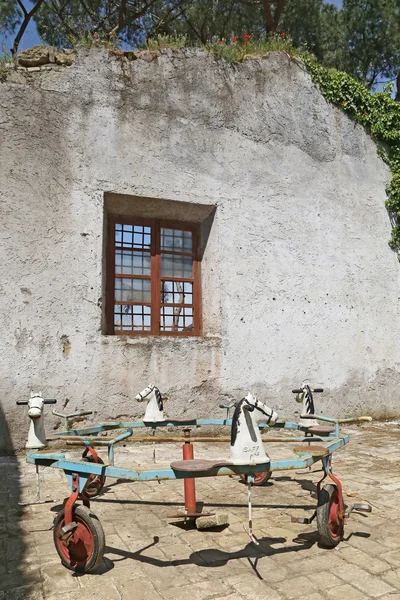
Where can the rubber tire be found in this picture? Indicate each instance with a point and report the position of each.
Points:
(261, 481)
(99, 479)
(328, 539)
(96, 530)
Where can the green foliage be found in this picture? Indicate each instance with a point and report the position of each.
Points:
(5, 60)
(10, 15)
(379, 113)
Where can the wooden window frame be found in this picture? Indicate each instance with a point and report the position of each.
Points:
(155, 275)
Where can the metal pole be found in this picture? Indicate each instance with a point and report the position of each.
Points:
(189, 486)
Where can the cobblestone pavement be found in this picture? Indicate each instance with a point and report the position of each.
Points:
(147, 557)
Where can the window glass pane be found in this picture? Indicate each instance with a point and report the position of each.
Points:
(176, 319)
(132, 318)
(132, 263)
(132, 236)
(176, 292)
(176, 266)
(132, 290)
(176, 239)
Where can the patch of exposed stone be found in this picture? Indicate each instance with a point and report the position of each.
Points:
(36, 59)
(45, 55)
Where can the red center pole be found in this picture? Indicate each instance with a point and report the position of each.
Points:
(189, 487)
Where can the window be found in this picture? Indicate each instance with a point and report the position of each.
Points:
(153, 277)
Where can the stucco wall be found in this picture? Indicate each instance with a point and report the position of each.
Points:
(298, 278)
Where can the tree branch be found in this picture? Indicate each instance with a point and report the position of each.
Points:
(269, 17)
(278, 13)
(24, 24)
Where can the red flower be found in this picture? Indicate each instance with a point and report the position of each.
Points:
(246, 36)
(220, 42)
(234, 39)
(96, 36)
(283, 35)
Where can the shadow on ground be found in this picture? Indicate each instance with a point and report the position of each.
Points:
(16, 580)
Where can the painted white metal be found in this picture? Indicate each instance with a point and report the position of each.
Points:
(36, 433)
(155, 408)
(246, 444)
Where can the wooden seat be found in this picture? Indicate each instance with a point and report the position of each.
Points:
(312, 449)
(320, 429)
(199, 465)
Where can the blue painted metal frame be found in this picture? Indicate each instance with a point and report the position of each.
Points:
(152, 473)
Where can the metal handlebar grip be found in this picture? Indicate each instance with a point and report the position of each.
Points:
(25, 402)
(313, 390)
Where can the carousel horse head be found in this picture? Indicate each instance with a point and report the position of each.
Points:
(155, 407)
(36, 434)
(246, 444)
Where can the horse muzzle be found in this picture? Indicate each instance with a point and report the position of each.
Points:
(35, 412)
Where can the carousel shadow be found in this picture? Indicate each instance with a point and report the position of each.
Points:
(211, 557)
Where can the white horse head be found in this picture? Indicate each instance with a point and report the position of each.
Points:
(36, 433)
(155, 407)
(35, 405)
(246, 444)
(308, 407)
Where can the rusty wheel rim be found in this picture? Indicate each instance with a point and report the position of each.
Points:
(78, 552)
(334, 521)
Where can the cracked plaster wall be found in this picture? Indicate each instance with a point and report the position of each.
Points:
(298, 278)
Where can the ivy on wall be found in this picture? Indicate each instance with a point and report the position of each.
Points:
(379, 113)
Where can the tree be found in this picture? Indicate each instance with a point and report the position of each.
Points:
(370, 42)
(66, 22)
(15, 16)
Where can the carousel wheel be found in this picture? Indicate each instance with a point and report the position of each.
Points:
(260, 478)
(84, 551)
(95, 483)
(330, 525)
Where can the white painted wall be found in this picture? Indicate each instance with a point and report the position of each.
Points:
(298, 278)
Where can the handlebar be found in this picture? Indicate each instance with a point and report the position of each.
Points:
(25, 402)
(300, 391)
(227, 406)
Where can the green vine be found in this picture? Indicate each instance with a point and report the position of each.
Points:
(379, 113)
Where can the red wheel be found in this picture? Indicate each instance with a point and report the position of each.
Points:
(95, 483)
(330, 525)
(260, 478)
(84, 550)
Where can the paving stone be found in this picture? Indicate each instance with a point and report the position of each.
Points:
(392, 577)
(325, 580)
(347, 592)
(296, 587)
(364, 560)
(198, 591)
(361, 579)
(253, 588)
(29, 592)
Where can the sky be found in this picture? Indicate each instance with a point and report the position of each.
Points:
(31, 38)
